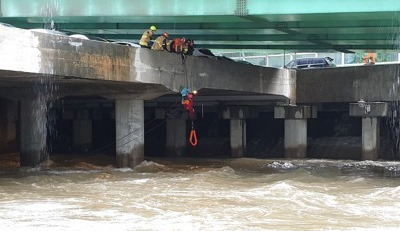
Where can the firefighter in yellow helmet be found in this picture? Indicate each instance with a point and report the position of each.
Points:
(160, 43)
(147, 36)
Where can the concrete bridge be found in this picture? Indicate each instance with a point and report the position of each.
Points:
(38, 68)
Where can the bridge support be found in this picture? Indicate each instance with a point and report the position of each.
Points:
(175, 131)
(8, 125)
(82, 131)
(238, 138)
(176, 137)
(238, 116)
(370, 113)
(33, 132)
(129, 118)
(295, 136)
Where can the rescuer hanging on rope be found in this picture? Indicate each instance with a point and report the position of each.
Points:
(187, 103)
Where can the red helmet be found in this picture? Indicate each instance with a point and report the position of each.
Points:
(183, 39)
(165, 34)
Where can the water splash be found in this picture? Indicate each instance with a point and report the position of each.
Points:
(50, 11)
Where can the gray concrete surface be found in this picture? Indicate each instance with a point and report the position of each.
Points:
(348, 84)
(238, 138)
(82, 67)
(129, 119)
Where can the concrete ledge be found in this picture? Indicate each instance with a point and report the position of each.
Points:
(239, 112)
(368, 109)
(294, 112)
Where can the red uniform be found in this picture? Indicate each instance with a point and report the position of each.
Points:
(188, 105)
(176, 45)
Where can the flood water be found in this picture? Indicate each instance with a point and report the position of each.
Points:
(199, 194)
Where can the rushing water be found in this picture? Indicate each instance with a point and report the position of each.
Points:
(194, 194)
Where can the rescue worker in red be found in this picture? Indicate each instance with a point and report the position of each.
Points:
(160, 43)
(369, 59)
(188, 104)
(147, 36)
(177, 45)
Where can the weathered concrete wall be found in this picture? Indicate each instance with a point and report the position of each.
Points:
(348, 84)
(121, 70)
(8, 126)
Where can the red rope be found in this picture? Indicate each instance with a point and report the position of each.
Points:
(193, 138)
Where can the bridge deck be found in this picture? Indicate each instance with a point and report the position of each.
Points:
(83, 67)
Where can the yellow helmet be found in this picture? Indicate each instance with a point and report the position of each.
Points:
(153, 28)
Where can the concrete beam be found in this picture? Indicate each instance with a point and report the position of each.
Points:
(239, 112)
(118, 70)
(368, 109)
(163, 11)
(295, 112)
(373, 83)
(33, 119)
(129, 118)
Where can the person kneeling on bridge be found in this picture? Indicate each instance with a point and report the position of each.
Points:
(176, 45)
(147, 36)
(160, 43)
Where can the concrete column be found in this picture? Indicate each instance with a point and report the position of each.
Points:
(370, 138)
(238, 138)
(33, 132)
(8, 125)
(237, 116)
(370, 113)
(82, 134)
(176, 137)
(295, 140)
(129, 118)
(295, 137)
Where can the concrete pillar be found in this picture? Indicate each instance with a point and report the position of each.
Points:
(82, 134)
(370, 138)
(238, 138)
(8, 125)
(129, 118)
(295, 140)
(176, 137)
(295, 136)
(238, 116)
(370, 113)
(33, 132)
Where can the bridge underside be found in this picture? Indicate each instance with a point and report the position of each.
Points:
(229, 24)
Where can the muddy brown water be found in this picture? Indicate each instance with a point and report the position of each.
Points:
(89, 193)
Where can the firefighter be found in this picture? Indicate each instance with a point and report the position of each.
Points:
(177, 45)
(160, 43)
(188, 47)
(369, 59)
(187, 103)
(147, 36)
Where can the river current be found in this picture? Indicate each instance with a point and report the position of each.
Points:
(203, 194)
